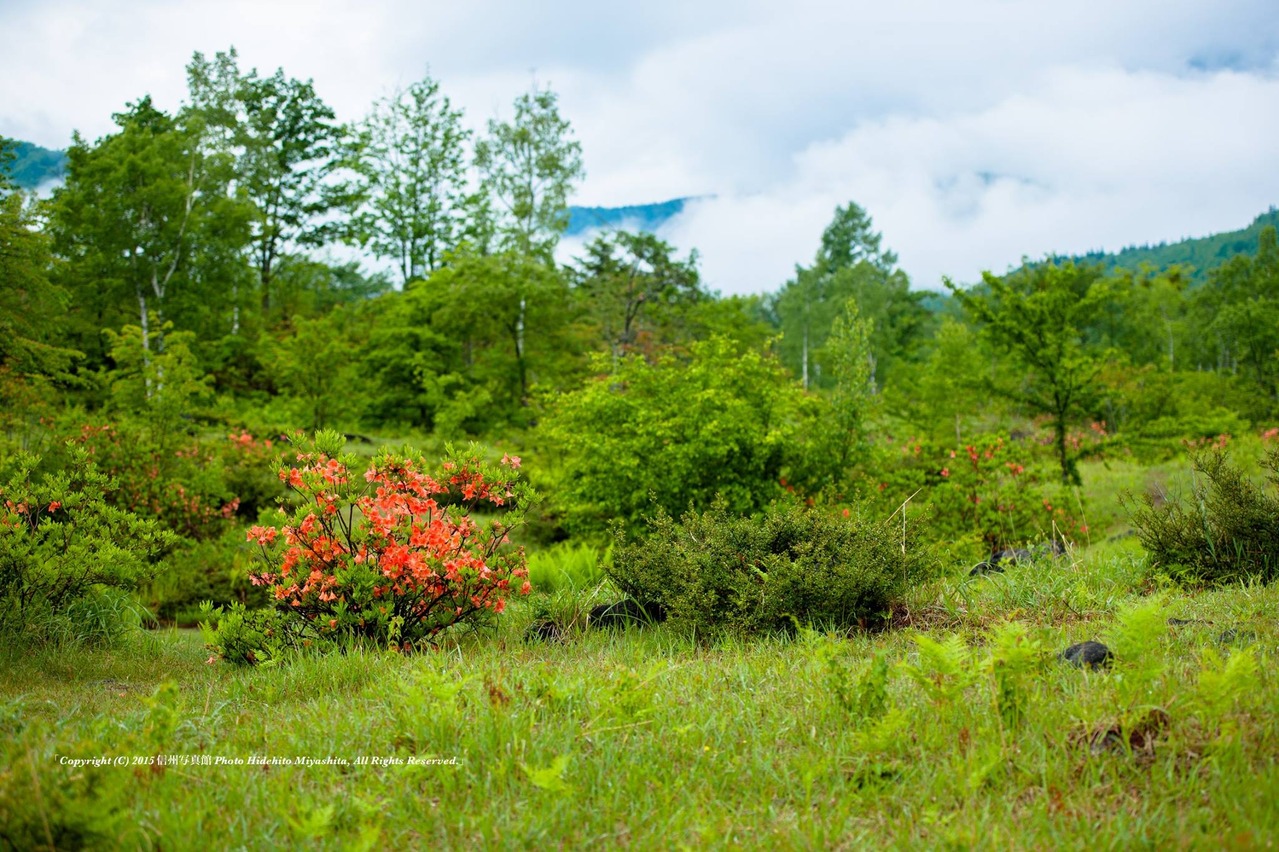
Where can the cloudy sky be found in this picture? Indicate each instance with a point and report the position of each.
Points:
(975, 132)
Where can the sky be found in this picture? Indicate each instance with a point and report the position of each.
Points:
(974, 132)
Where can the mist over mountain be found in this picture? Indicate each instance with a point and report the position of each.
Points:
(34, 167)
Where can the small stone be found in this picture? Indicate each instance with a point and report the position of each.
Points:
(1094, 655)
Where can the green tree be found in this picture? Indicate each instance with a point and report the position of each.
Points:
(141, 212)
(803, 313)
(1038, 316)
(316, 365)
(842, 432)
(528, 167)
(849, 240)
(676, 432)
(1240, 308)
(948, 395)
(634, 286)
(287, 144)
(30, 310)
(850, 263)
(512, 317)
(409, 370)
(162, 388)
(8, 155)
(409, 155)
(1148, 319)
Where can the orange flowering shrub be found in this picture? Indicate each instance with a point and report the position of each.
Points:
(395, 553)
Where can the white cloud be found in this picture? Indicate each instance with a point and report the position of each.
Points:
(1088, 160)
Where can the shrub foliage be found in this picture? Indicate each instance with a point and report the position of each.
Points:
(719, 570)
(61, 540)
(1227, 530)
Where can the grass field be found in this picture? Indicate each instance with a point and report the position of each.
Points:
(958, 727)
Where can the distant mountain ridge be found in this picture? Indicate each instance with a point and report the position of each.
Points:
(34, 166)
(644, 217)
(1203, 254)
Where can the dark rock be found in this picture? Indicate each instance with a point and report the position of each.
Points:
(1014, 555)
(987, 567)
(545, 631)
(1236, 637)
(1094, 655)
(625, 613)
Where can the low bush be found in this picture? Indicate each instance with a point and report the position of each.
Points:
(216, 570)
(61, 541)
(718, 570)
(723, 421)
(1226, 530)
(394, 556)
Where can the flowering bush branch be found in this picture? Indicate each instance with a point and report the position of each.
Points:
(396, 555)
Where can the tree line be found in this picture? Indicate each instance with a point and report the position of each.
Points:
(219, 223)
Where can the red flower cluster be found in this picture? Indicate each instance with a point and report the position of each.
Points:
(396, 552)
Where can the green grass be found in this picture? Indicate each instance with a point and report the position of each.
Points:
(658, 740)
(567, 567)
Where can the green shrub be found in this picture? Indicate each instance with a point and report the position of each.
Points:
(60, 540)
(216, 570)
(680, 431)
(248, 636)
(1226, 531)
(718, 570)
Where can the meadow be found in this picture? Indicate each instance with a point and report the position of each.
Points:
(955, 726)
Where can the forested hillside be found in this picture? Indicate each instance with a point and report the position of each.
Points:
(32, 167)
(1199, 255)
